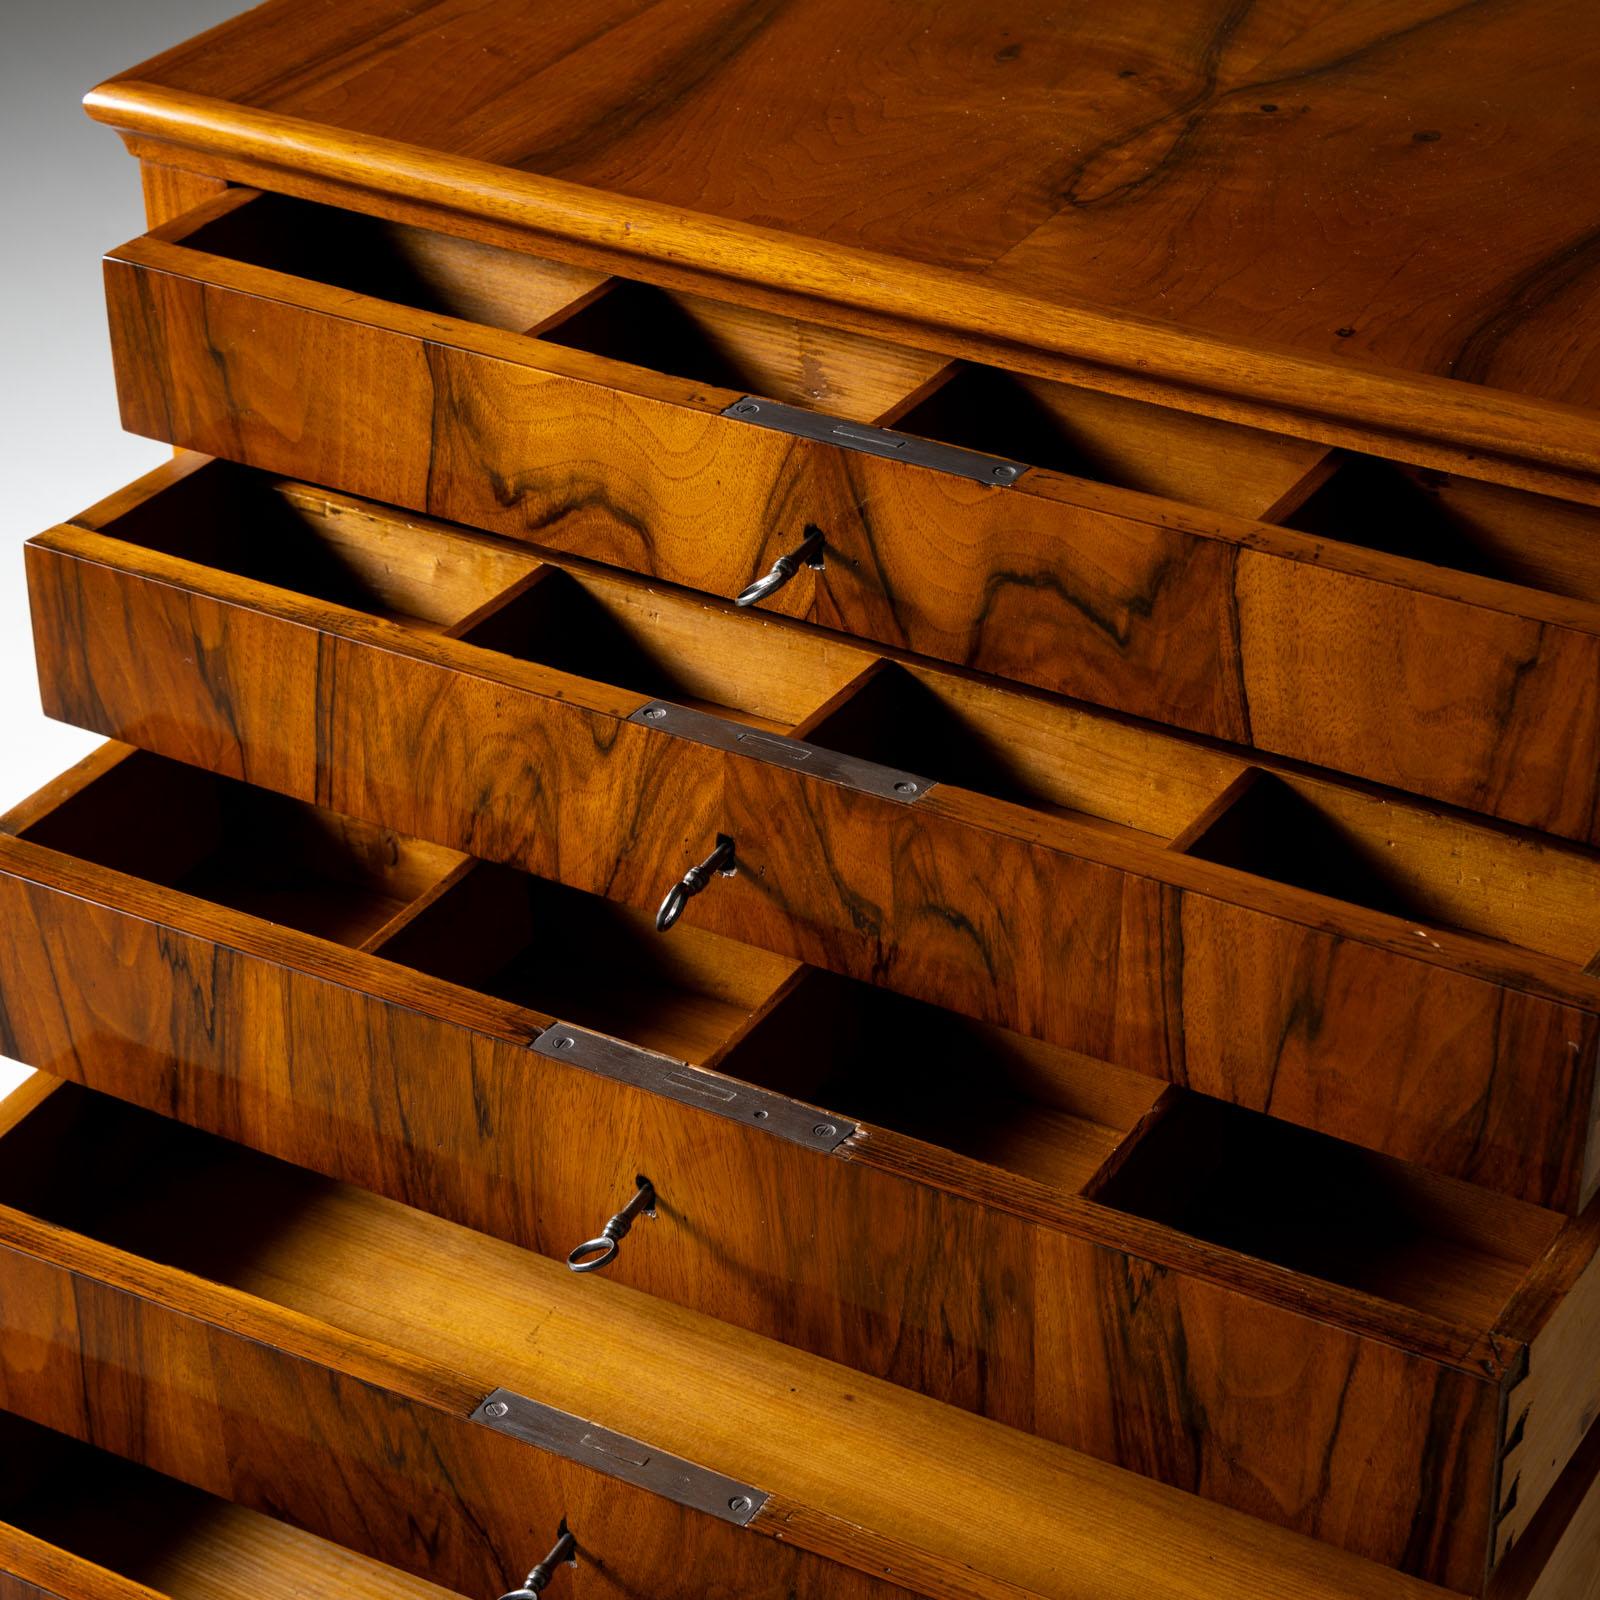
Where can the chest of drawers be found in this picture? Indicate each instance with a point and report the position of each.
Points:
(850, 836)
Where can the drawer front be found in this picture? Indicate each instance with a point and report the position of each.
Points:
(1478, 692)
(1472, 1058)
(325, 1362)
(995, 1293)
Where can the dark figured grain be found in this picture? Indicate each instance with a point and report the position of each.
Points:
(1443, 682)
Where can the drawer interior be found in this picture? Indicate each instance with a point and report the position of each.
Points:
(1110, 439)
(998, 1097)
(1454, 523)
(540, 945)
(1380, 852)
(1466, 526)
(704, 341)
(151, 1530)
(1012, 746)
(257, 852)
(662, 646)
(1363, 848)
(231, 520)
(737, 347)
(1328, 1209)
(392, 261)
(591, 962)
(1248, 1183)
(1409, 862)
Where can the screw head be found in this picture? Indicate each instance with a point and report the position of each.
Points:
(761, 1116)
(746, 408)
(905, 787)
(496, 1408)
(565, 1042)
(740, 1503)
(656, 713)
(1004, 473)
(824, 1130)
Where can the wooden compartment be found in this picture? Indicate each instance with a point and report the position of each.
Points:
(1424, 868)
(1105, 438)
(1480, 528)
(736, 347)
(78, 1524)
(284, 1341)
(835, 1117)
(598, 965)
(245, 848)
(413, 267)
(1328, 1210)
(607, 628)
(1180, 908)
(1134, 565)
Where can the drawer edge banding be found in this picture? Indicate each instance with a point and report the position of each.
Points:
(619, 1456)
(679, 1080)
(868, 439)
(779, 750)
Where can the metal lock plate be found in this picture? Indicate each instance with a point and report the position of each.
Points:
(778, 750)
(617, 1456)
(995, 471)
(677, 1080)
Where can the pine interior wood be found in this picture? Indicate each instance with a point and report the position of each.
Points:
(739, 347)
(1171, 189)
(292, 538)
(428, 1297)
(92, 1525)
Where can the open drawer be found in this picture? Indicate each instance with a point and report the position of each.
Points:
(1393, 1362)
(1351, 960)
(78, 1524)
(445, 1403)
(1439, 636)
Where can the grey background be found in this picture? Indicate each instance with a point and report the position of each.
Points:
(69, 192)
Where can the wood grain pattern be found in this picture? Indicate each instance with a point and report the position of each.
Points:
(981, 1273)
(1190, 616)
(327, 1369)
(1468, 1054)
(1160, 194)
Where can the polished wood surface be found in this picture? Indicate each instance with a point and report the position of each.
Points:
(1404, 979)
(1027, 1242)
(1134, 566)
(1285, 206)
(263, 1334)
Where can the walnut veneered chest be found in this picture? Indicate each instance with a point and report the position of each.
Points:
(850, 845)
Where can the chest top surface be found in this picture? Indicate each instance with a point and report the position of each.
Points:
(1398, 198)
